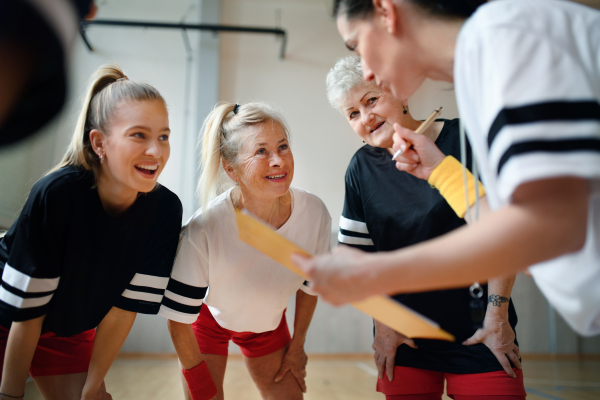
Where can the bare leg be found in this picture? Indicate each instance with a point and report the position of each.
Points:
(62, 387)
(216, 366)
(263, 370)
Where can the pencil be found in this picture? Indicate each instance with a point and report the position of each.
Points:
(436, 113)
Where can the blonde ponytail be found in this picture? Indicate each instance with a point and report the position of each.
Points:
(107, 87)
(223, 135)
(210, 184)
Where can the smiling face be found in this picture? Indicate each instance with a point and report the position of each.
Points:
(136, 148)
(386, 51)
(265, 163)
(372, 114)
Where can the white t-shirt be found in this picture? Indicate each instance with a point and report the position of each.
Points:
(248, 290)
(527, 81)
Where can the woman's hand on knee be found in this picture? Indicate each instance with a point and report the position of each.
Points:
(499, 337)
(294, 361)
(99, 394)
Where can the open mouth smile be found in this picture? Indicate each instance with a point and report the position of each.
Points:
(276, 177)
(147, 170)
(377, 127)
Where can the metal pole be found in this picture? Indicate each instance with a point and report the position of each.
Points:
(201, 27)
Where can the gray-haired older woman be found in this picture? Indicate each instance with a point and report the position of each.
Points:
(386, 209)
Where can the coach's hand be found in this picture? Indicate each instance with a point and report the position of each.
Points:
(385, 344)
(420, 155)
(294, 361)
(344, 276)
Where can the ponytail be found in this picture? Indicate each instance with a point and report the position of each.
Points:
(209, 184)
(107, 87)
(222, 138)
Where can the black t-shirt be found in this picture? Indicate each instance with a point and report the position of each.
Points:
(386, 209)
(65, 257)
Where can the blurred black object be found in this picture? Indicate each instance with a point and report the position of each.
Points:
(35, 40)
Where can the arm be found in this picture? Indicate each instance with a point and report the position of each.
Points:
(295, 358)
(22, 341)
(546, 219)
(386, 344)
(110, 336)
(185, 344)
(497, 334)
(484, 209)
(421, 157)
(195, 371)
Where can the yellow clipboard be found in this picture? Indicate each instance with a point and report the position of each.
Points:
(384, 309)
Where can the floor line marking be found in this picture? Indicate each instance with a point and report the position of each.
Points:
(541, 394)
(568, 388)
(366, 368)
(560, 383)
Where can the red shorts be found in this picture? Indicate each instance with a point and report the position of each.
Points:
(413, 381)
(57, 355)
(213, 339)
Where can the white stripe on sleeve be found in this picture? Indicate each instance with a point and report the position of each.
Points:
(156, 282)
(354, 226)
(354, 240)
(135, 295)
(182, 299)
(177, 316)
(20, 302)
(27, 284)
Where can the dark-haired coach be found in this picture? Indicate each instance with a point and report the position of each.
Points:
(527, 81)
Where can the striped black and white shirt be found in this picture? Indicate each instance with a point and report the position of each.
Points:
(247, 290)
(66, 258)
(386, 210)
(527, 76)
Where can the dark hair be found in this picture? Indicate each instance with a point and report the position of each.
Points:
(358, 9)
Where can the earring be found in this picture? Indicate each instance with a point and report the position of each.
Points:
(101, 156)
(405, 109)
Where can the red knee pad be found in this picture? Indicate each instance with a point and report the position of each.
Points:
(200, 382)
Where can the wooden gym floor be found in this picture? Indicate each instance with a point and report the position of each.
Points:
(333, 377)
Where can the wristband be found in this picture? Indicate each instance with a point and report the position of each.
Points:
(447, 177)
(200, 382)
(11, 397)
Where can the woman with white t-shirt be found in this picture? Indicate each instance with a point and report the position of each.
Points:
(527, 81)
(248, 291)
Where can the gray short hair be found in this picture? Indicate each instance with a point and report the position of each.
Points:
(346, 74)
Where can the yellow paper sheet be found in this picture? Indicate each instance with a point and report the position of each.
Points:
(384, 309)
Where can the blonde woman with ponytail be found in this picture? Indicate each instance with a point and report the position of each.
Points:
(247, 149)
(93, 246)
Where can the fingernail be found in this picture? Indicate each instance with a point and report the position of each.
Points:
(415, 157)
